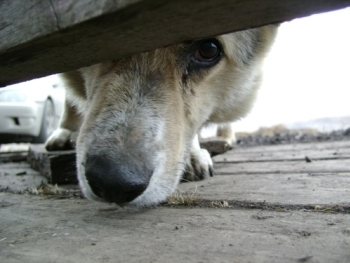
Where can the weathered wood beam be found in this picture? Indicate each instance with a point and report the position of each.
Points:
(42, 37)
(58, 167)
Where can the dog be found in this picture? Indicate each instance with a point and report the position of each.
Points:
(135, 121)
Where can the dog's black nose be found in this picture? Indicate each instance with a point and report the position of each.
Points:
(115, 181)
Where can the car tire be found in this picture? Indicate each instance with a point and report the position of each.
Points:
(48, 122)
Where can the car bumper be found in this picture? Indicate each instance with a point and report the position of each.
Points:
(21, 118)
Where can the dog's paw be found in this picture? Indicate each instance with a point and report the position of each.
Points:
(226, 133)
(200, 166)
(60, 139)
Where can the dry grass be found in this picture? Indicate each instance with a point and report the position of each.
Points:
(183, 199)
(54, 191)
(45, 189)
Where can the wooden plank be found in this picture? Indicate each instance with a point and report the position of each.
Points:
(314, 151)
(317, 146)
(282, 156)
(289, 188)
(59, 166)
(315, 167)
(6, 157)
(42, 37)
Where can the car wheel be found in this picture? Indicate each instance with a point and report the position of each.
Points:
(48, 122)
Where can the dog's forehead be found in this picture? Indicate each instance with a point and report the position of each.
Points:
(158, 60)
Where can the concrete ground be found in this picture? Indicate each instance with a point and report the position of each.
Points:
(283, 203)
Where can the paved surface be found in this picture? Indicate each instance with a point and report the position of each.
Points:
(266, 204)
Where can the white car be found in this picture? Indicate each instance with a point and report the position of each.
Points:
(30, 111)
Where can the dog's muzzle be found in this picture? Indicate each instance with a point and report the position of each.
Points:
(116, 180)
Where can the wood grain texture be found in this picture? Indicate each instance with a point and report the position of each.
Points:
(42, 37)
(289, 152)
(58, 167)
(283, 167)
(291, 188)
(280, 175)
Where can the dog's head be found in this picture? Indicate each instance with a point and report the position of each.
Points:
(143, 112)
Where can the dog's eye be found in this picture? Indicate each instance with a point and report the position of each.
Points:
(207, 51)
(202, 55)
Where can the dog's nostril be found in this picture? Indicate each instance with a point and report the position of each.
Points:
(96, 189)
(131, 195)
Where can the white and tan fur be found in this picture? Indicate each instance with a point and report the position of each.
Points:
(135, 120)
